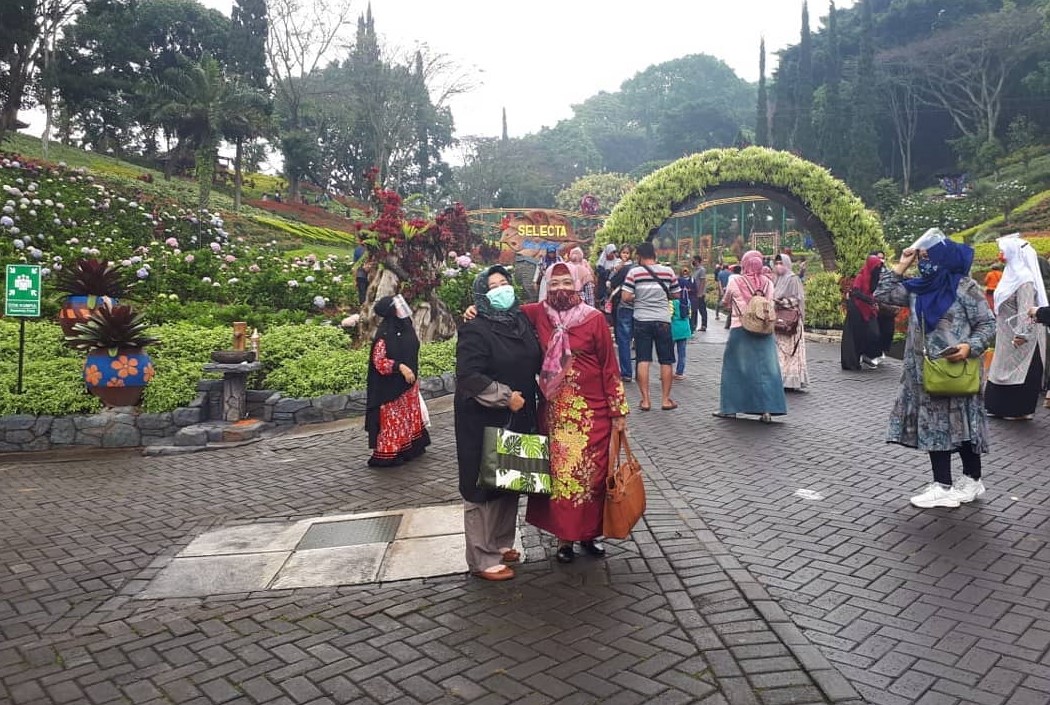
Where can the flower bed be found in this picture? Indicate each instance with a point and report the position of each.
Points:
(299, 361)
(50, 215)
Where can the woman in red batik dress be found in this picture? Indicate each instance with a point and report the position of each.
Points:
(584, 403)
(393, 420)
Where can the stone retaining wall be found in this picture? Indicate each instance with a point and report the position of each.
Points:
(130, 428)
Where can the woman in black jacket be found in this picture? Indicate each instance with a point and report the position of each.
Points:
(497, 359)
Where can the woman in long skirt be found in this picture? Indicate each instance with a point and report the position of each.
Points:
(790, 295)
(393, 419)
(860, 334)
(948, 312)
(1016, 375)
(751, 379)
(584, 404)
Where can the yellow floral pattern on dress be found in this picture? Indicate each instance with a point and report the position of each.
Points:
(570, 420)
(618, 400)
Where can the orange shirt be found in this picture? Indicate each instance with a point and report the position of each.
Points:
(991, 279)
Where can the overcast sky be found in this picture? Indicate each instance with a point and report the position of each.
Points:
(538, 57)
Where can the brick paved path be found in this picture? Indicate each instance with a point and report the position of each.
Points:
(662, 620)
(912, 606)
(735, 591)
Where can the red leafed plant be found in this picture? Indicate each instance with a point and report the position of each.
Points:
(415, 249)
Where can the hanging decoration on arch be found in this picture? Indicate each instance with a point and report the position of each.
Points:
(589, 205)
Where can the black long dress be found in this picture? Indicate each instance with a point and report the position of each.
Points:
(859, 337)
(505, 352)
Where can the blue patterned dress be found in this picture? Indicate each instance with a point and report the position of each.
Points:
(939, 423)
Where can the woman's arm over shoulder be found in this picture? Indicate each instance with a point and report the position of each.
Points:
(891, 289)
(532, 311)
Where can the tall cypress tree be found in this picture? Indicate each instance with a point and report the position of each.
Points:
(783, 127)
(504, 136)
(864, 166)
(805, 138)
(834, 126)
(247, 46)
(762, 116)
(422, 124)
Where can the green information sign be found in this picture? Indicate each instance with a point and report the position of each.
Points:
(23, 290)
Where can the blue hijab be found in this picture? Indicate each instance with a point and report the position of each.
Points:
(947, 263)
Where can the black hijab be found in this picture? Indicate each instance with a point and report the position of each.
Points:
(512, 321)
(402, 346)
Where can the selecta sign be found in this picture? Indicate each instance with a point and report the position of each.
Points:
(23, 291)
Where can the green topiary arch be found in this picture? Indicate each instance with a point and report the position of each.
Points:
(843, 230)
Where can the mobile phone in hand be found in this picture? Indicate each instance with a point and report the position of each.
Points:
(948, 351)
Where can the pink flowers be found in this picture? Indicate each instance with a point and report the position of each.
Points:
(171, 242)
(230, 259)
(215, 247)
(464, 261)
(189, 259)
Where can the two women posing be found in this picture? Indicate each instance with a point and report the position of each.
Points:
(507, 356)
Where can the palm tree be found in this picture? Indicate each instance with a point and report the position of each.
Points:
(200, 105)
(251, 119)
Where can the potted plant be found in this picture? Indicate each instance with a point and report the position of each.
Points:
(86, 283)
(117, 369)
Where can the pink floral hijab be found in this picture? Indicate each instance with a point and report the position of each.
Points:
(557, 359)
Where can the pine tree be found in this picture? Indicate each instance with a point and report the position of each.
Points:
(833, 129)
(864, 166)
(762, 116)
(805, 139)
(247, 45)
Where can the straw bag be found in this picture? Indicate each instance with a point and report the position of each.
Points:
(624, 491)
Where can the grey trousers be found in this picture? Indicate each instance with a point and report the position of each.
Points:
(488, 527)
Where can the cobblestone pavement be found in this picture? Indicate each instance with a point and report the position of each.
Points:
(668, 618)
(735, 591)
(913, 606)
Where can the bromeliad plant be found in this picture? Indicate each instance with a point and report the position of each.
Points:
(85, 283)
(117, 369)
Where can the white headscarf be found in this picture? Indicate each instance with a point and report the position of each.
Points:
(604, 262)
(1022, 265)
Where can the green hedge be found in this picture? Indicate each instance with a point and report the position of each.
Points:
(298, 360)
(1029, 204)
(310, 233)
(856, 230)
(824, 301)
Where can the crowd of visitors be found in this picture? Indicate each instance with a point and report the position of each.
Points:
(555, 369)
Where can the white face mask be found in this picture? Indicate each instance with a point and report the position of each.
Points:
(401, 307)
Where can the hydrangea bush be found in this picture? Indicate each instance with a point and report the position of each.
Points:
(50, 215)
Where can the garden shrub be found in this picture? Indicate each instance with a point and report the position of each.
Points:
(283, 345)
(51, 386)
(318, 372)
(824, 301)
(299, 360)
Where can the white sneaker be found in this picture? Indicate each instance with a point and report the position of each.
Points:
(966, 489)
(936, 495)
(865, 360)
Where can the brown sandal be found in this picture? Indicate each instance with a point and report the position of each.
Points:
(511, 556)
(504, 573)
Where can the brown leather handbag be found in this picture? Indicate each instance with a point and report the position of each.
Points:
(624, 490)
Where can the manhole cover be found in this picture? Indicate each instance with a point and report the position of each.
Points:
(351, 533)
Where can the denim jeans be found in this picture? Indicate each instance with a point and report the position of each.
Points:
(624, 333)
(680, 356)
